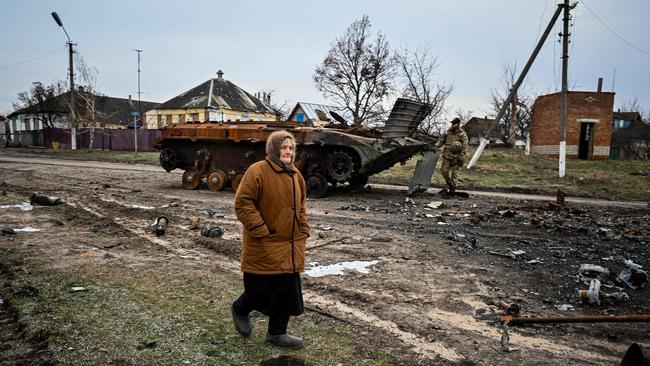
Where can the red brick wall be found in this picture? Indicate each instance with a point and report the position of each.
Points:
(545, 124)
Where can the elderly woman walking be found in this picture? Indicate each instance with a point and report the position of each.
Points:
(270, 203)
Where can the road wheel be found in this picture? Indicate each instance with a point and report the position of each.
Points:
(191, 179)
(235, 180)
(316, 185)
(217, 180)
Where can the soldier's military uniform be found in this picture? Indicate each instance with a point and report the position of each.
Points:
(454, 143)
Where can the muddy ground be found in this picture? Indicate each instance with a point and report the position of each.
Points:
(430, 296)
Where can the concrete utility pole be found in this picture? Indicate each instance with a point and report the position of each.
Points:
(73, 125)
(139, 115)
(564, 111)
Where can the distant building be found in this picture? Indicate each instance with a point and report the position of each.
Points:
(476, 128)
(631, 142)
(624, 119)
(109, 112)
(3, 132)
(589, 125)
(309, 113)
(215, 100)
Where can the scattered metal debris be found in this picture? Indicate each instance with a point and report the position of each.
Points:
(354, 207)
(634, 277)
(564, 307)
(78, 289)
(212, 231)
(43, 200)
(510, 309)
(505, 340)
(594, 271)
(160, 225)
(593, 294)
(8, 231)
(435, 204)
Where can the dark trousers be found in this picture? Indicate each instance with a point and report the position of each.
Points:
(277, 323)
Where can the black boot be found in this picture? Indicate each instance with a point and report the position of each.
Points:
(242, 322)
(285, 340)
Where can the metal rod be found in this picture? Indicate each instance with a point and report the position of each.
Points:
(515, 87)
(576, 319)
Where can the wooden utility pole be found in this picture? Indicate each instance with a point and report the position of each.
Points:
(512, 132)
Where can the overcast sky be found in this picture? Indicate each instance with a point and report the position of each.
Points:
(278, 44)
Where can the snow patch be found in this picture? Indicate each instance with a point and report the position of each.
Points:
(338, 269)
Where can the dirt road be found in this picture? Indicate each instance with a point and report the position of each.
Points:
(425, 275)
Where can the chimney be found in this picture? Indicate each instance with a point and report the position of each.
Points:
(600, 85)
(129, 98)
(220, 74)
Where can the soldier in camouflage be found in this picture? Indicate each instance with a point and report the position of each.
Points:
(454, 143)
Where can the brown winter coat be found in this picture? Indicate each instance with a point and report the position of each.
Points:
(270, 203)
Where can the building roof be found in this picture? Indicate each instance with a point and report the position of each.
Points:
(477, 127)
(627, 116)
(109, 109)
(217, 93)
(320, 112)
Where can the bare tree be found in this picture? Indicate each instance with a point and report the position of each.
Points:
(82, 102)
(416, 70)
(633, 105)
(463, 114)
(356, 74)
(43, 102)
(521, 104)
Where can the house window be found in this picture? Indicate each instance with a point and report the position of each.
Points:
(28, 124)
(300, 117)
(169, 119)
(194, 117)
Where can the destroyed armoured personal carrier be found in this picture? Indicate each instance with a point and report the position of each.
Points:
(219, 153)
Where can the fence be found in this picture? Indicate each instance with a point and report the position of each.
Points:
(102, 138)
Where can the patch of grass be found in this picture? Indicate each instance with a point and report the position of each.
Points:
(511, 169)
(163, 315)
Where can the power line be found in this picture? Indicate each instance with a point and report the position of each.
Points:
(33, 59)
(613, 32)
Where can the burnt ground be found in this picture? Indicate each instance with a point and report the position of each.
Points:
(437, 267)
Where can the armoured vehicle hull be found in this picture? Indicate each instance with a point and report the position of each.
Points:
(219, 153)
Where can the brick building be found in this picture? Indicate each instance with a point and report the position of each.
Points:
(589, 125)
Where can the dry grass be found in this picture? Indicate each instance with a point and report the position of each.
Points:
(511, 170)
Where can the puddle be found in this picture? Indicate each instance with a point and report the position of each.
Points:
(338, 268)
(283, 361)
(27, 229)
(25, 206)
